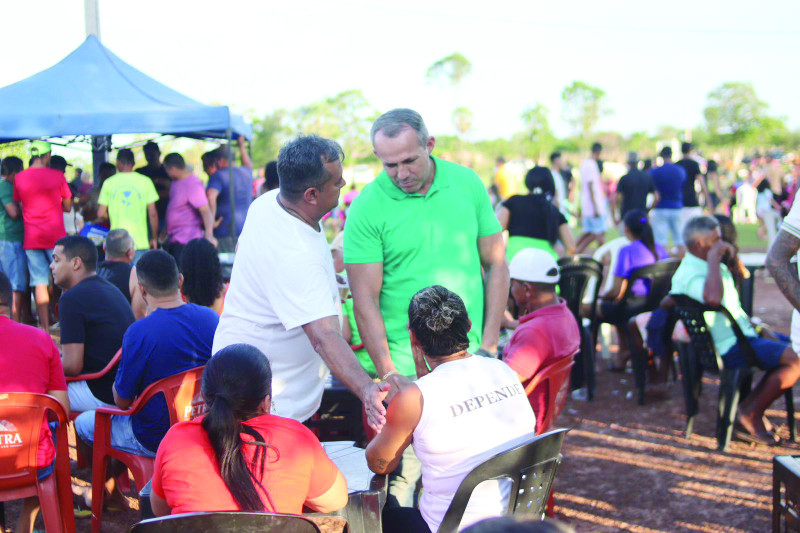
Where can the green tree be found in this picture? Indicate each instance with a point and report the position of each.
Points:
(537, 130)
(454, 68)
(268, 134)
(735, 115)
(462, 120)
(584, 105)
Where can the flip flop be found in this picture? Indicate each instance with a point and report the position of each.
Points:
(742, 434)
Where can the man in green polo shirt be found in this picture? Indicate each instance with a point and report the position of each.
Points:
(703, 276)
(128, 200)
(423, 221)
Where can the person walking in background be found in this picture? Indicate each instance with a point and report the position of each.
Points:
(632, 190)
(503, 181)
(128, 200)
(560, 200)
(593, 201)
(216, 164)
(12, 255)
(44, 196)
(666, 216)
(188, 214)
(158, 174)
(768, 212)
(691, 207)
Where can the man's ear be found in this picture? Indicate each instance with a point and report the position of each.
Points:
(310, 195)
(430, 144)
(180, 281)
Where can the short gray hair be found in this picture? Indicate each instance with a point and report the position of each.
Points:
(393, 122)
(702, 224)
(118, 242)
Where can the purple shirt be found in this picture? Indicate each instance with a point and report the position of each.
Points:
(184, 222)
(634, 256)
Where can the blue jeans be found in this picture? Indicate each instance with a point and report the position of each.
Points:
(596, 225)
(14, 264)
(403, 481)
(122, 437)
(39, 266)
(667, 222)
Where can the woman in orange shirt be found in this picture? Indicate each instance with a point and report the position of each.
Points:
(238, 457)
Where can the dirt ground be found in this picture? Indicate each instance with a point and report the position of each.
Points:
(629, 468)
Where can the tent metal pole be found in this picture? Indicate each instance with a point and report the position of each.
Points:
(231, 188)
(100, 148)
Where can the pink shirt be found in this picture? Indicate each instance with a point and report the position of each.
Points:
(544, 336)
(184, 222)
(590, 180)
(40, 191)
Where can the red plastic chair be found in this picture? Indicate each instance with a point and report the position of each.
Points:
(553, 379)
(184, 402)
(21, 416)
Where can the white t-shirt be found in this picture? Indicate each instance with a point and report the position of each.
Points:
(473, 409)
(561, 193)
(590, 178)
(791, 224)
(282, 279)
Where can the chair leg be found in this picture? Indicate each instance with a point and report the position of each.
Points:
(49, 504)
(638, 358)
(789, 398)
(99, 469)
(688, 387)
(727, 404)
(589, 367)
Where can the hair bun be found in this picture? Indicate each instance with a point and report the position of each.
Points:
(441, 318)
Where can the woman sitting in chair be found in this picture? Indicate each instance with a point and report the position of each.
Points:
(532, 220)
(461, 411)
(238, 457)
(642, 251)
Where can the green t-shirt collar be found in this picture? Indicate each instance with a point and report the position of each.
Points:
(439, 182)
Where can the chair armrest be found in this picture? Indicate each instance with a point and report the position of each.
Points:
(99, 374)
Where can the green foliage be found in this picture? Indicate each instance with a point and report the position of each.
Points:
(268, 135)
(735, 115)
(538, 134)
(454, 68)
(462, 120)
(584, 105)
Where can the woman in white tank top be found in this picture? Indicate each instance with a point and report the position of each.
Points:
(461, 411)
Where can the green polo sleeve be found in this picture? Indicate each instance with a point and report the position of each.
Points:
(487, 220)
(104, 193)
(362, 237)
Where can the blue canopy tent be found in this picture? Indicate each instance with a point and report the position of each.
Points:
(93, 92)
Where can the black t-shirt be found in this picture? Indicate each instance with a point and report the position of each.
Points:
(530, 215)
(95, 314)
(634, 186)
(119, 274)
(692, 171)
(162, 183)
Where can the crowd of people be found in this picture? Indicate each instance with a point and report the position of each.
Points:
(434, 306)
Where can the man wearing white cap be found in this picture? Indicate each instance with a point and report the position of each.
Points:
(547, 330)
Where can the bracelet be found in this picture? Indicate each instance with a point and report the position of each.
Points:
(389, 373)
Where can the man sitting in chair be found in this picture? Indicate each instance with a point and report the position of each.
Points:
(461, 411)
(173, 338)
(547, 330)
(703, 276)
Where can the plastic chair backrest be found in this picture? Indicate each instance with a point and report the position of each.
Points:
(576, 271)
(181, 393)
(611, 248)
(692, 314)
(96, 375)
(225, 521)
(21, 418)
(531, 466)
(659, 274)
(553, 380)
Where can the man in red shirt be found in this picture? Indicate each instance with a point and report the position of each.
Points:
(45, 195)
(547, 330)
(29, 362)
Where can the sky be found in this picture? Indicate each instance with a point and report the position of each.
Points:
(656, 61)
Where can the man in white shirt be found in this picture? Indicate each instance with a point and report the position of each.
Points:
(461, 411)
(786, 246)
(593, 202)
(556, 166)
(283, 297)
